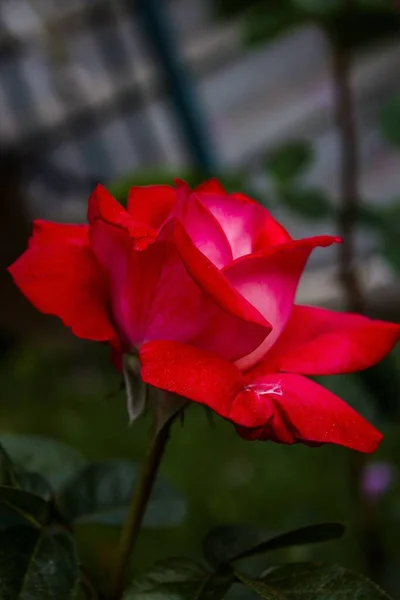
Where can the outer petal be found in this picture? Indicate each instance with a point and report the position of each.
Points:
(248, 226)
(304, 411)
(105, 208)
(211, 186)
(152, 204)
(317, 341)
(269, 280)
(202, 226)
(203, 377)
(60, 276)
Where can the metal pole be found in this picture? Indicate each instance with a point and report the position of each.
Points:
(156, 23)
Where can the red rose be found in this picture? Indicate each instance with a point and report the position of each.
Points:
(202, 284)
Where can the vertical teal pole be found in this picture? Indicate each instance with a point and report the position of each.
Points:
(156, 23)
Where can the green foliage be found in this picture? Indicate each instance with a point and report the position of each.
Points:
(33, 509)
(101, 493)
(56, 462)
(231, 543)
(8, 475)
(180, 579)
(289, 161)
(37, 554)
(390, 120)
(302, 581)
(37, 564)
(309, 203)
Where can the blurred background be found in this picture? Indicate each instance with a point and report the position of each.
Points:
(296, 102)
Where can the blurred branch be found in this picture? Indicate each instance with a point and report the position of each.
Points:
(349, 176)
(369, 531)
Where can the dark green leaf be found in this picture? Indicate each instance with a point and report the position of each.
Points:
(56, 462)
(261, 588)
(390, 120)
(180, 579)
(8, 474)
(101, 493)
(37, 565)
(18, 506)
(264, 25)
(312, 534)
(289, 161)
(309, 203)
(34, 483)
(223, 543)
(306, 581)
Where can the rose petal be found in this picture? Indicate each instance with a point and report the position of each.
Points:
(200, 376)
(201, 225)
(151, 204)
(247, 225)
(304, 411)
(103, 207)
(211, 186)
(317, 341)
(269, 280)
(59, 275)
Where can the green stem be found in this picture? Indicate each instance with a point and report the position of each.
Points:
(140, 498)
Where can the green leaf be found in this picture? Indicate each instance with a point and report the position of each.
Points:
(8, 474)
(21, 507)
(56, 462)
(309, 203)
(262, 589)
(101, 493)
(37, 565)
(265, 25)
(180, 579)
(306, 581)
(390, 121)
(35, 484)
(289, 161)
(223, 543)
(312, 534)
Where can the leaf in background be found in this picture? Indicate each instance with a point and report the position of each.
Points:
(55, 461)
(180, 579)
(101, 493)
(35, 484)
(390, 121)
(312, 534)
(8, 475)
(289, 161)
(37, 565)
(18, 506)
(309, 581)
(264, 25)
(223, 543)
(310, 203)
